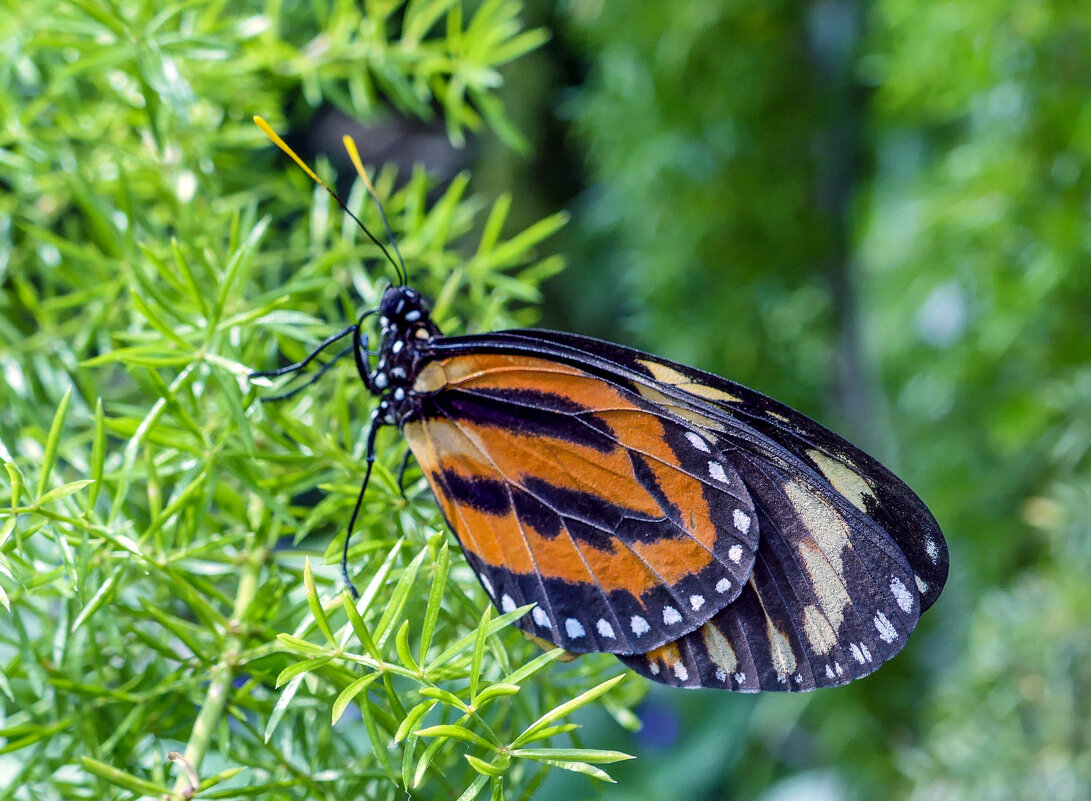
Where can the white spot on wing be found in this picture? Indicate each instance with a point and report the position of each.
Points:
(541, 618)
(922, 585)
(605, 629)
(740, 677)
(680, 671)
(574, 628)
(741, 520)
(507, 604)
(734, 553)
(671, 615)
(723, 585)
(716, 470)
(488, 586)
(653, 667)
(829, 672)
(720, 674)
(639, 625)
(857, 654)
(902, 595)
(931, 549)
(697, 442)
(887, 632)
(696, 601)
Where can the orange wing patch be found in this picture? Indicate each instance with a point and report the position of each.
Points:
(621, 521)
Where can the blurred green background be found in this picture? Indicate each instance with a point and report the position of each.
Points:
(878, 213)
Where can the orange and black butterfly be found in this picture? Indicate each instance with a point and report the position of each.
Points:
(707, 535)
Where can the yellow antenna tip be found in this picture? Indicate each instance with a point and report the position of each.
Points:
(354, 156)
(268, 130)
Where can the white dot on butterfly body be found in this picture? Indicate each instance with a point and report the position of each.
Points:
(574, 628)
(639, 625)
(734, 553)
(716, 470)
(397, 346)
(680, 671)
(507, 604)
(696, 601)
(723, 585)
(605, 629)
(741, 520)
(413, 316)
(541, 618)
(671, 615)
(696, 441)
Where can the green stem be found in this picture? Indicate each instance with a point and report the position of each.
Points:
(222, 674)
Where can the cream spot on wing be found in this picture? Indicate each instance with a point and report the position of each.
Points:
(826, 582)
(902, 595)
(844, 479)
(431, 378)
(710, 393)
(734, 553)
(671, 615)
(741, 520)
(696, 601)
(719, 649)
(887, 632)
(605, 629)
(507, 604)
(674, 406)
(541, 618)
(574, 628)
(697, 442)
(716, 470)
(723, 585)
(639, 625)
(668, 375)
(828, 528)
(780, 651)
(817, 629)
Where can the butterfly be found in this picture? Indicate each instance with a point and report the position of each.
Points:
(705, 534)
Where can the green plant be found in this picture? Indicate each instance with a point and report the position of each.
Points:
(157, 518)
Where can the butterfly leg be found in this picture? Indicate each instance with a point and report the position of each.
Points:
(292, 368)
(376, 424)
(401, 472)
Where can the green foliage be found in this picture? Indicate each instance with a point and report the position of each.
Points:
(155, 517)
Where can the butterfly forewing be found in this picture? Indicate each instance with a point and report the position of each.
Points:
(624, 524)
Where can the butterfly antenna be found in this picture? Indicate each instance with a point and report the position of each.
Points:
(354, 155)
(399, 266)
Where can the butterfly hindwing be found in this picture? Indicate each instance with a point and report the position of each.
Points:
(625, 525)
(830, 599)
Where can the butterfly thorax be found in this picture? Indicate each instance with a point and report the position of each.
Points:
(406, 327)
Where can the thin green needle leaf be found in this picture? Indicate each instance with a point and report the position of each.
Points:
(49, 459)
